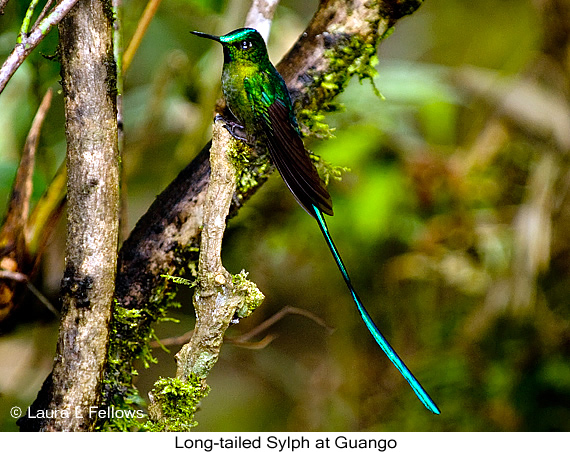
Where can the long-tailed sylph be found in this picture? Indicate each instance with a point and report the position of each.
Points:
(257, 97)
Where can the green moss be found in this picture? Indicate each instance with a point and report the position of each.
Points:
(353, 55)
(252, 168)
(387, 33)
(251, 177)
(176, 402)
(252, 296)
(131, 333)
(130, 337)
(240, 154)
(358, 57)
(180, 280)
(327, 170)
(314, 122)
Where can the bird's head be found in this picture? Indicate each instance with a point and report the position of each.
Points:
(243, 44)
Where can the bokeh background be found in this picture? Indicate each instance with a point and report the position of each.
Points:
(453, 221)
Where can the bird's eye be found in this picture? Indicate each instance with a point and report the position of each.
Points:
(245, 44)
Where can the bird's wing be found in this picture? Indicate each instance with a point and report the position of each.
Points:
(286, 147)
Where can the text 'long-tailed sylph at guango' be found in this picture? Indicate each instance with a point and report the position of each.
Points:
(258, 98)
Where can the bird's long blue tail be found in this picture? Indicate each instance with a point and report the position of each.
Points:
(378, 336)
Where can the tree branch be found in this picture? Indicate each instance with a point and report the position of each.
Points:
(88, 82)
(142, 26)
(219, 297)
(260, 16)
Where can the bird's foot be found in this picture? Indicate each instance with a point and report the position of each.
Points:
(235, 129)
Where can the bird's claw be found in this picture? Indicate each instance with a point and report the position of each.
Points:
(237, 131)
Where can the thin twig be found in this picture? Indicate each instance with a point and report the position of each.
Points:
(142, 26)
(45, 9)
(17, 215)
(175, 340)
(184, 338)
(40, 296)
(253, 345)
(285, 311)
(47, 210)
(243, 340)
(24, 29)
(13, 233)
(21, 277)
(29, 43)
(14, 276)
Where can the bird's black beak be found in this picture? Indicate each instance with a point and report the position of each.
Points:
(205, 35)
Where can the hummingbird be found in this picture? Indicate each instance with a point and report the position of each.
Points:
(259, 101)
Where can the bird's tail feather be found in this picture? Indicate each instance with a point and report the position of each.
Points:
(378, 336)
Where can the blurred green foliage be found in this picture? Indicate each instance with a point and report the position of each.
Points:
(430, 221)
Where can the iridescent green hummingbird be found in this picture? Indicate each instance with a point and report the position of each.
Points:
(258, 98)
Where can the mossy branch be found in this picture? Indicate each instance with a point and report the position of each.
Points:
(220, 298)
(88, 83)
